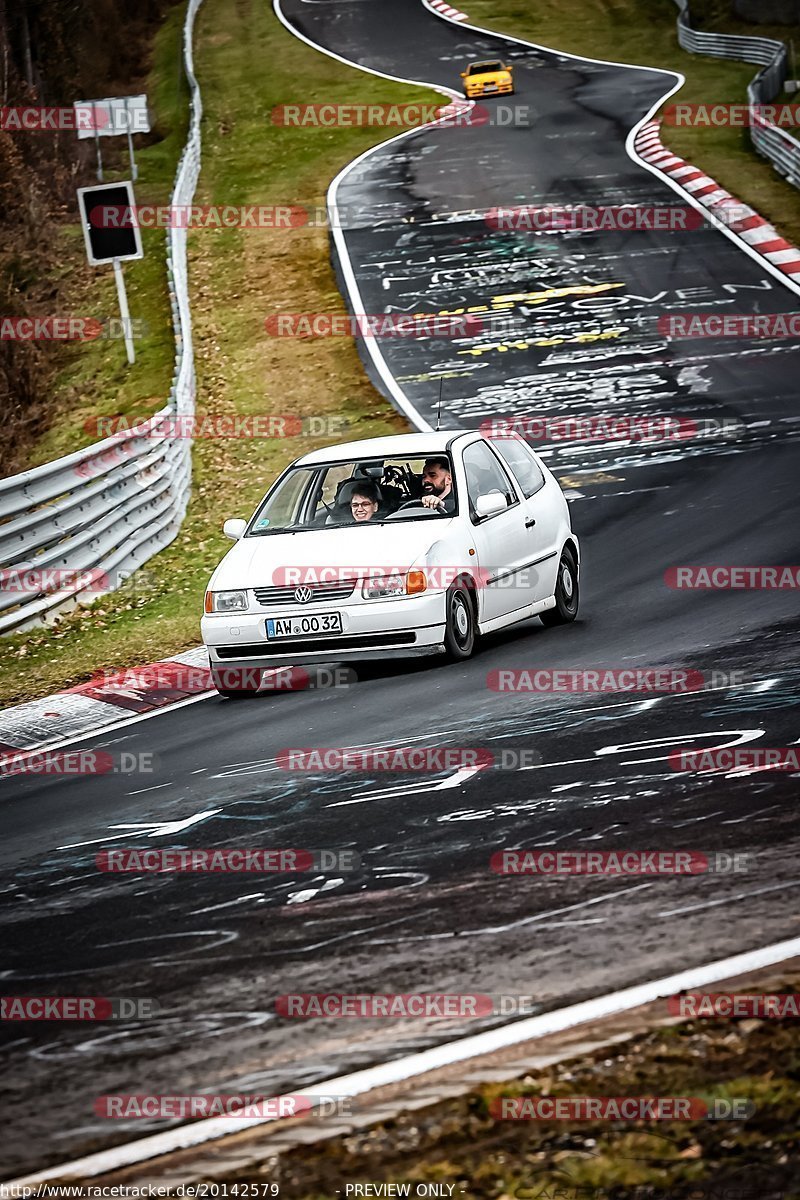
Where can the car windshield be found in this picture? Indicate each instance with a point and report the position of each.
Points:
(370, 492)
(485, 68)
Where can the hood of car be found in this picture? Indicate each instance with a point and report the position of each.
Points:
(260, 561)
(488, 77)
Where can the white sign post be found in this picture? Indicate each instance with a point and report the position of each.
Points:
(124, 313)
(112, 117)
(111, 234)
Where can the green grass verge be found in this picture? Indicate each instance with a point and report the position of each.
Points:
(237, 277)
(644, 32)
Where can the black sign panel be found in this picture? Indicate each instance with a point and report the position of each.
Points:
(109, 223)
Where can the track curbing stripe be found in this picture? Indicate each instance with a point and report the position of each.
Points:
(767, 242)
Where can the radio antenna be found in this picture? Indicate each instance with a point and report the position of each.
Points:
(439, 410)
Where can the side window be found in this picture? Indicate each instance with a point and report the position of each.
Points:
(333, 477)
(484, 474)
(524, 466)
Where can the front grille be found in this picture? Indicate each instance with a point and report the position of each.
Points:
(305, 645)
(335, 589)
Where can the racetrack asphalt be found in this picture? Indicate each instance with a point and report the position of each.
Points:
(424, 912)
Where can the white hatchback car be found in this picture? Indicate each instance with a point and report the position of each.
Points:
(389, 548)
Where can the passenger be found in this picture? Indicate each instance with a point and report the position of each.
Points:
(364, 502)
(437, 485)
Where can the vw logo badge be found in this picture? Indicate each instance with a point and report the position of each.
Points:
(303, 594)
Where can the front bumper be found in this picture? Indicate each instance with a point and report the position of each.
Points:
(373, 629)
(501, 89)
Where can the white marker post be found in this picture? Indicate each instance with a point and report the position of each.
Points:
(96, 141)
(122, 295)
(111, 235)
(129, 123)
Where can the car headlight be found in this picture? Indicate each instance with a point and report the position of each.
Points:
(226, 602)
(383, 587)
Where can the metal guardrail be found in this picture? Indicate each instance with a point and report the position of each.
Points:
(79, 526)
(769, 140)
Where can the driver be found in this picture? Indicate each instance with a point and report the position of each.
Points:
(437, 485)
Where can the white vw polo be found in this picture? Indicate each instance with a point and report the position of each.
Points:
(388, 548)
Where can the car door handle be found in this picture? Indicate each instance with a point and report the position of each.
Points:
(530, 522)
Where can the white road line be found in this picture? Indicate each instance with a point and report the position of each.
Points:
(773, 887)
(370, 344)
(400, 1070)
(460, 777)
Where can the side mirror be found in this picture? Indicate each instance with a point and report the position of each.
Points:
(463, 74)
(234, 527)
(491, 503)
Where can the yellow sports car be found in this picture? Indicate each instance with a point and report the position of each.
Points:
(488, 79)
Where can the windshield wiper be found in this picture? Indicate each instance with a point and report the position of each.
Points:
(283, 529)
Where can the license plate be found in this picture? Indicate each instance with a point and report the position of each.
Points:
(290, 627)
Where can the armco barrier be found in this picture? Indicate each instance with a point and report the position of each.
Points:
(108, 508)
(773, 143)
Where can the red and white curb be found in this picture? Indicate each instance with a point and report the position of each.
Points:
(447, 10)
(739, 217)
(456, 108)
(103, 701)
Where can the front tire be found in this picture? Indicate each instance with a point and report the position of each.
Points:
(567, 592)
(460, 625)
